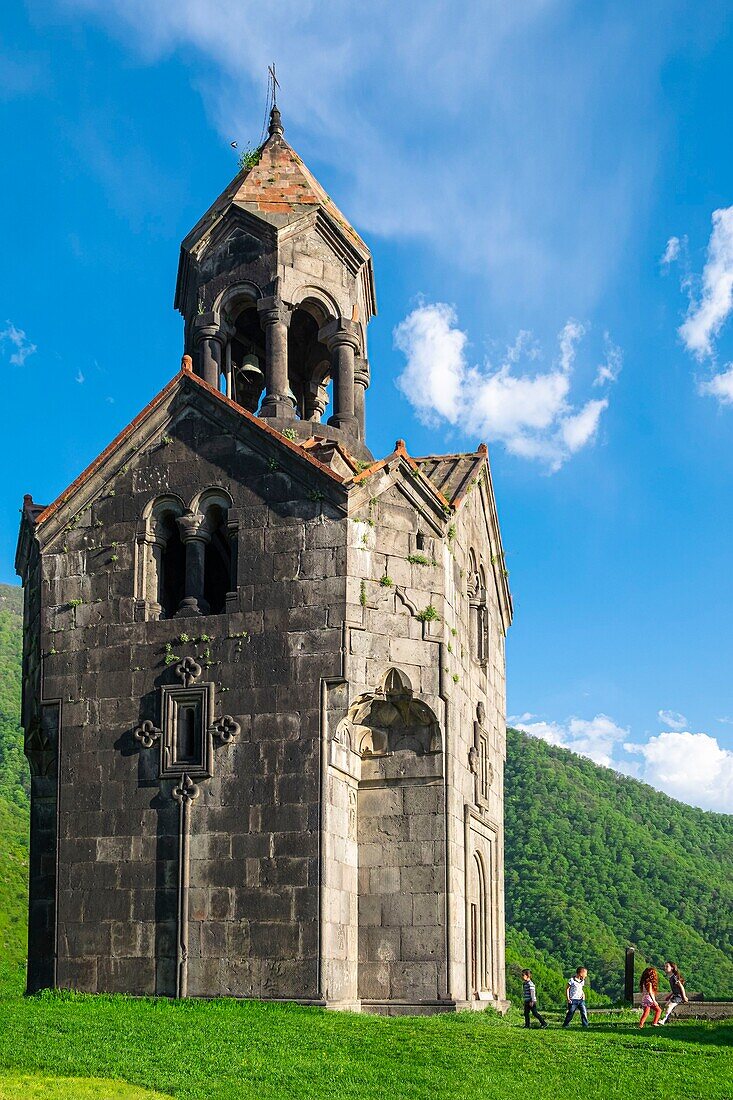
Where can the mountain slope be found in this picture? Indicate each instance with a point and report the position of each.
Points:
(14, 780)
(14, 787)
(596, 861)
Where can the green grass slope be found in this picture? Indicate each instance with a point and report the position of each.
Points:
(239, 1050)
(596, 861)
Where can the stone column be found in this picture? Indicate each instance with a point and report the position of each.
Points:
(275, 318)
(153, 578)
(209, 340)
(342, 340)
(195, 535)
(232, 596)
(361, 382)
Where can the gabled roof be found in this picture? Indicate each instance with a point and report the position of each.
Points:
(184, 379)
(449, 479)
(444, 480)
(453, 474)
(447, 475)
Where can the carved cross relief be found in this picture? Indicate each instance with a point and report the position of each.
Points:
(187, 734)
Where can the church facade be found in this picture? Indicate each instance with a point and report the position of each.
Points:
(264, 673)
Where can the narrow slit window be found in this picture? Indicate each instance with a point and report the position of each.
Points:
(186, 735)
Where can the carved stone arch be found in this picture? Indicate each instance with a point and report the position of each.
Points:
(405, 600)
(395, 683)
(207, 498)
(233, 299)
(473, 578)
(478, 610)
(158, 505)
(316, 301)
(243, 343)
(390, 720)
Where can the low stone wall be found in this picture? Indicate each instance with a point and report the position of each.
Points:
(696, 1008)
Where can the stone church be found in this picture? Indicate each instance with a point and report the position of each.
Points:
(263, 686)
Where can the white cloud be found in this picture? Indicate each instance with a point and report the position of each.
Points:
(672, 718)
(79, 376)
(720, 386)
(596, 738)
(671, 252)
(610, 368)
(689, 766)
(434, 377)
(710, 308)
(17, 342)
(530, 413)
(579, 429)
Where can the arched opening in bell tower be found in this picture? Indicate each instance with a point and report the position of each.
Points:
(243, 372)
(309, 362)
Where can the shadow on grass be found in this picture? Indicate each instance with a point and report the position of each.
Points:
(625, 1024)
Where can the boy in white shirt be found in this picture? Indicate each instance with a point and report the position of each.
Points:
(575, 996)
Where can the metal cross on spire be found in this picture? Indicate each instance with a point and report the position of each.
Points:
(275, 83)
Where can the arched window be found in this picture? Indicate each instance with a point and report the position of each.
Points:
(217, 560)
(213, 507)
(172, 566)
(309, 363)
(162, 560)
(244, 361)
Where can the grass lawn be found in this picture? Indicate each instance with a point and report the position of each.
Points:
(229, 1049)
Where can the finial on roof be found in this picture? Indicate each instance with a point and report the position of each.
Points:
(276, 126)
(187, 363)
(482, 449)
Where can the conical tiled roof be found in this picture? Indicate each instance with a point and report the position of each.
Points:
(279, 189)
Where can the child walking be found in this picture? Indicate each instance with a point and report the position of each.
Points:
(575, 996)
(648, 987)
(529, 993)
(677, 995)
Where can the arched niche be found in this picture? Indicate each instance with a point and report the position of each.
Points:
(479, 927)
(478, 609)
(391, 721)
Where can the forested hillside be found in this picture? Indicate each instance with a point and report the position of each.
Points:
(13, 768)
(14, 784)
(594, 861)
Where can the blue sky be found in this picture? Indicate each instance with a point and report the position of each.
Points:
(520, 171)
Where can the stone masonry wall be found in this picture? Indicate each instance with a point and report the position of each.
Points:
(254, 899)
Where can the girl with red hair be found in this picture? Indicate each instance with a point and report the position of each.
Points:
(649, 986)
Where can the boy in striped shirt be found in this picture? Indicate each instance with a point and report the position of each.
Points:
(529, 994)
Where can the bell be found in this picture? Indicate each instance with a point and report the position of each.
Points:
(250, 370)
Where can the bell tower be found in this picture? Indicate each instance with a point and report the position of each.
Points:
(276, 290)
(263, 673)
